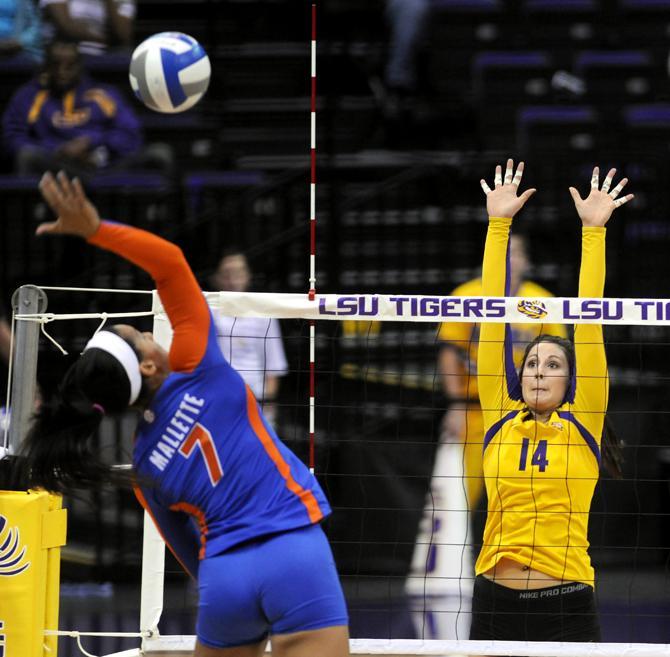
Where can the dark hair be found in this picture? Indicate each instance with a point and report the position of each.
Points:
(59, 42)
(612, 455)
(57, 453)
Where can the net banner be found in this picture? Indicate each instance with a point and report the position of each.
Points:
(32, 529)
(424, 308)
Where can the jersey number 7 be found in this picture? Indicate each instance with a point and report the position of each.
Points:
(202, 438)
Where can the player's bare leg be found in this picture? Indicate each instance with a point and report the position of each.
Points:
(252, 650)
(326, 642)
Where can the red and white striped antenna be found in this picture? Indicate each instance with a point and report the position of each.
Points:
(312, 242)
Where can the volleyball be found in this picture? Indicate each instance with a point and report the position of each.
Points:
(169, 72)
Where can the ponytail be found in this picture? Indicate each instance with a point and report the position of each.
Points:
(57, 454)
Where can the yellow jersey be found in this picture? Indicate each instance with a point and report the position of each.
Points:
(465, 336)
(540, 476)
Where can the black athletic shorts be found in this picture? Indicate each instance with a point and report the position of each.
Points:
(557, 613)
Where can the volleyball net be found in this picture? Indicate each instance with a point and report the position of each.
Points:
(403, 528)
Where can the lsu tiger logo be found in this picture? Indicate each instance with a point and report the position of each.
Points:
(532, 308)
(12, 553)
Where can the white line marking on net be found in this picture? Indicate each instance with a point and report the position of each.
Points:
(45, 318)
(429, 647)
(92, 289)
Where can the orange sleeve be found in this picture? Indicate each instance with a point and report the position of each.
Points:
(177, 288)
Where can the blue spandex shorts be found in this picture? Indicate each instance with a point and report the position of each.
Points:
(280, 584)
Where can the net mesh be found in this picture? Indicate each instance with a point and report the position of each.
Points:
(403, 529)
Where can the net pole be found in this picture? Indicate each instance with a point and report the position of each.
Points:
(26, 299)
(153, 578)
(312, 240)
(153, 546)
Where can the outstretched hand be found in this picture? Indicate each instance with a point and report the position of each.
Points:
(502, 201)
(76, 214)
(597, 207)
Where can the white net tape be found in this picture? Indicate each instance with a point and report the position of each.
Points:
(425, 308)
(414, 308)
(407, 647)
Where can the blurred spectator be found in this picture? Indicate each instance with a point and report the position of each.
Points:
(63, 119)
(20, 33)
(396, 91)
(407, 20)
(252, 345)
(95, 25)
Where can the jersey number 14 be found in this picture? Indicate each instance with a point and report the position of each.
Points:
(539, 457)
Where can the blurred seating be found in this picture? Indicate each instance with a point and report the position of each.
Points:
(563, 25)
(571, 126)
(647, 129)
(468, 6)
(144, 200)
(502, 80)
(562, 6)
(645, 5)
(614, 78)
(250, 210)
(644, 23)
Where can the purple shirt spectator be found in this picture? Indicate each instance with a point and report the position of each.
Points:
(62, 118)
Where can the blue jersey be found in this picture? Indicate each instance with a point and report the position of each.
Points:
(212, 455)
(211, 471)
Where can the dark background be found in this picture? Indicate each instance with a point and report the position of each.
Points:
(399, 210)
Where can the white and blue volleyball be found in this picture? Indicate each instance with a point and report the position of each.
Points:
(169, 72)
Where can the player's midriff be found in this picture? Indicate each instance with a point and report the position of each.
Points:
(515, 575)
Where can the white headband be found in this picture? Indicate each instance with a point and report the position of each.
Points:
(123, 352)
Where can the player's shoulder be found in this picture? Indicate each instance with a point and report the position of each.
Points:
(532, 289)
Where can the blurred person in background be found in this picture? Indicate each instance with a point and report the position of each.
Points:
(252, 345)
(408, 20)
(20, 32)
(96, 25)
(398, 84)
(62, 119)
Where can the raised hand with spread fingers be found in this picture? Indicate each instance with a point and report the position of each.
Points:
(596, 209)
(502, 200)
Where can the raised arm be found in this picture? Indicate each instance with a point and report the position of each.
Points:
(496, 375)
(591, 380)
(177, 287)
